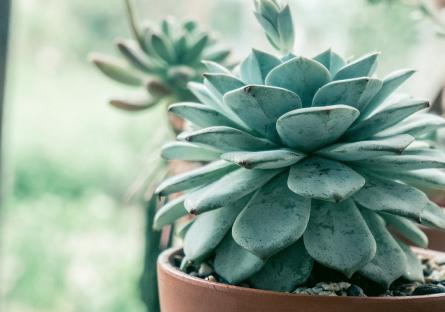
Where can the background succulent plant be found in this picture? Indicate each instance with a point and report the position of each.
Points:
(312, 159)
(160, 59)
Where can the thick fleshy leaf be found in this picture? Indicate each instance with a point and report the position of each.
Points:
(337, 236)
(402, 162)
(272, 159)
(422, 178)
(423, 148)
(195, 178)
(416, 125)
(390, 261)
(209, 229)
(228, 189)
(392, 197)
(201, 115)
(390, 84)
(169, 213)
(385, 118)
(362, 67)
(407, 229)
(228, 139)
(270, 30)
(260, 107)
(163, 48)
(182, 230)
(134, 55)
(222, 83)
(233, 263)
(285, 270)
(188, 151)
(205, 96)
(324, 179)
(134, 104)
(215, 68)
(180, 46)
(288, 57)
(414, 268)
(308, 129)
(216, 54)
(331, 60)
(433, 216)
(300, 75)
(356, 92)
(256, 66)
(367, 149)
(285, 28)
(197, 48)
(274, 219)
(115, 69)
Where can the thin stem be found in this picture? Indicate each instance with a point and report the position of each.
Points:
(148, 283)
(133, 23)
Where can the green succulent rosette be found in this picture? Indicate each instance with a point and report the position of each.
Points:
(312, 157)
(310, 160)
(160, 60)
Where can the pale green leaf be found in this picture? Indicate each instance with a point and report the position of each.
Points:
(260, 107)
(274, 219)
(228, 139)
(308, 129)
(233, 263)
(337, 236)
(390, 261)
(324, 179)
(195, 178)
(356, 92)
(169, 213)
(362, 67)
(367, 149)
(230, 188)
(209, 229)
(188, 151)
(271, 159)
(284, 271)
(300, 75)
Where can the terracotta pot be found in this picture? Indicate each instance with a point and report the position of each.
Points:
(180, 292)
(436, 239)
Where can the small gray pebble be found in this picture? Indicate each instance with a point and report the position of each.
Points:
(355, 291)
(194, 274)
(211, 278)
(429, 289)
(205, 269)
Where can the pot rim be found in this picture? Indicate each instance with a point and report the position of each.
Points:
(165, 264)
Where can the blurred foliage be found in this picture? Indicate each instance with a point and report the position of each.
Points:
(421, 9)
(70, 243)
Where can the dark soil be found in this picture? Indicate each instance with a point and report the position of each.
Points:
(327, 282)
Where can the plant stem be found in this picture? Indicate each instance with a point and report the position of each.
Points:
(148, 283)
(4, 32)
(133, 23)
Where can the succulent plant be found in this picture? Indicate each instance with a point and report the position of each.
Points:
(311, 160)
(161, 61)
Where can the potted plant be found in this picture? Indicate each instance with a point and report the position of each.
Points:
(312, 161)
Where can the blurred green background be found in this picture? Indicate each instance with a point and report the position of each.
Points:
(70, 242)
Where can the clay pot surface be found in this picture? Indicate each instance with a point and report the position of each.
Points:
(436, 239)
(180, 292)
